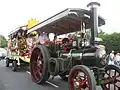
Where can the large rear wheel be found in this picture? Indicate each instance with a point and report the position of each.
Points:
(39, 65)
(111, 79)
(81, 78)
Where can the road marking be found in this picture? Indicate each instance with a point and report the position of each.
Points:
(52, 84)
(47, 82)
(28, 72)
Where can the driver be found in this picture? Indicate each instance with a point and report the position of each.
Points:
(43, 38)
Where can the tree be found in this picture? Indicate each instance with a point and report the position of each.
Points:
(111, 41)
(3, 42)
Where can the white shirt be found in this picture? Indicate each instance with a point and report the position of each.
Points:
(112, 55)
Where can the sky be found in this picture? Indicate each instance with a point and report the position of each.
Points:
(15, 13)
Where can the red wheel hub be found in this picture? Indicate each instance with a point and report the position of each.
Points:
(79, 82)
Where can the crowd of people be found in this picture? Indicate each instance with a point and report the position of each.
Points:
(114, 58)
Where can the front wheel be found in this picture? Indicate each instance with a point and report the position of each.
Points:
(111, 79)
(81, 78)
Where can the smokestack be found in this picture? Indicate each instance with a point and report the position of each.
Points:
(94, 20)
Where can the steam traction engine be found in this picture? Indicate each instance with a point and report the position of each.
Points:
(82, 58)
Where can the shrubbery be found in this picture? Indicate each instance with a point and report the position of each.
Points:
(111, 41)
(3, 42)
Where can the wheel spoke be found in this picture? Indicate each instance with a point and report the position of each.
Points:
(38, 76)
(34, 62)
(116, 86)
(37, 66)
(39, 69)
(35, 74)
(115, 73)
(118, 80)
(39, 57)
(38, 73)
(109, 77)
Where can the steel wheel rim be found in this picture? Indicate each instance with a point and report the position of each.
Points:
(79, 82)
(112, 82)
(37, 66)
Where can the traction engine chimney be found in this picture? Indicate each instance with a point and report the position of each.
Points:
(93, 20)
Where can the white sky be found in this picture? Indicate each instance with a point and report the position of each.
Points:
(14, 13)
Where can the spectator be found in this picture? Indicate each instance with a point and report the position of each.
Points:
(111, 56)
(117, 59)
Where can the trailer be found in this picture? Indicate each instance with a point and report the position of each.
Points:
(17, 52)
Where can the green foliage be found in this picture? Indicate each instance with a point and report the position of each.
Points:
(3, 42)
(111, 41)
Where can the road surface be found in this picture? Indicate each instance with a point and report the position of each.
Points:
(21, 80)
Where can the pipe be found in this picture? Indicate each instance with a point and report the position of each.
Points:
(93, 20)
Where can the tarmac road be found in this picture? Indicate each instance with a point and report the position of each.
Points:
(21, 80)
